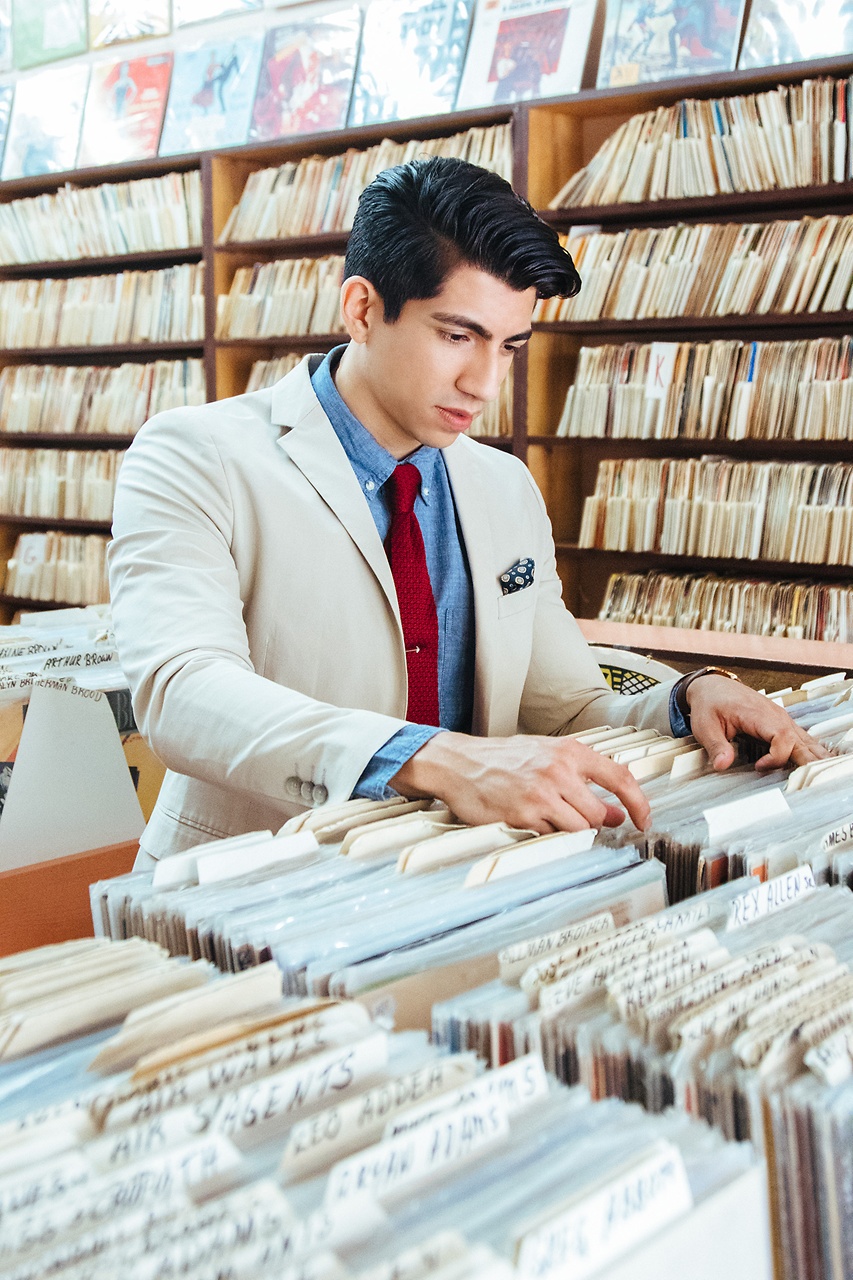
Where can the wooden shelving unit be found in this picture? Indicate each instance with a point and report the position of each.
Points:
(563, 137)
(551, 141)
(54, 440)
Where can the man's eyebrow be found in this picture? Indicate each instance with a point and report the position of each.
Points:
(463, 322)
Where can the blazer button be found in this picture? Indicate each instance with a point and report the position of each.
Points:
(293, 786)
(307, 792)
(320, 795)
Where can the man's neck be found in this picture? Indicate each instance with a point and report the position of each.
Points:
(354, 389)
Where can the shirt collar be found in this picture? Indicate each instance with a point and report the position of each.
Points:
(371, 463)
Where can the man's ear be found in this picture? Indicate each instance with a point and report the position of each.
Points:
(361, 308)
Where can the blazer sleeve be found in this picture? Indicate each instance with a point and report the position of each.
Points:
(565, 690)
(182, 641)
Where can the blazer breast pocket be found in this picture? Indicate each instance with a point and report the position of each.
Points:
(517, 602)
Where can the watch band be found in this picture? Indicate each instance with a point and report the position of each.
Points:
(681, 687)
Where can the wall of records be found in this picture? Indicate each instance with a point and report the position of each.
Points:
(85, 83)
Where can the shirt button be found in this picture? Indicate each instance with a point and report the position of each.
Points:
(320, 795)
(426, 491)
(369, 485)
(292, 786)
(307, 792)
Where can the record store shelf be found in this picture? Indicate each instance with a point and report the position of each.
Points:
(682, 447)
(632, 561)
(744, 650)
(56, 522)
(107, 353)
(677, 328)
(54, 440)
(151, 259)
(283, 343)
(315, 246)
(832, 197)
(23, 602)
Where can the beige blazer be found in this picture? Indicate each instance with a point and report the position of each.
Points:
(258, 625)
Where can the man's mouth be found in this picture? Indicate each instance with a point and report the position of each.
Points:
(459, 419)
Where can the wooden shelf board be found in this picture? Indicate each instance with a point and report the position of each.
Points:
(293, 342)
(110, 354)
(710, 326)
(49, 901)
(497, 442)
(336, 141)
(24, 602)
(678, 642)
(773, 203)
(641, 97)
(288, 246)
(777, 569)
(57, 522)
(54, 440)
(100, 266)
(784, 449)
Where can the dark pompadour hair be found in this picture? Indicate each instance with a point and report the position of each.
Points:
(418, 221)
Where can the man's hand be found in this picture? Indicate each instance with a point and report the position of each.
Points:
(536, 782)
(721, 708)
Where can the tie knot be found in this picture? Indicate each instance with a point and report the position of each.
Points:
(405, 482)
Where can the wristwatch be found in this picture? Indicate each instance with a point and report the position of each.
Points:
(681, 687)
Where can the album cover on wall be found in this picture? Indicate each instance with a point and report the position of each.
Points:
(210, 99)
(45, 30)
(6, 95)
(187, 11)
(777, 33)
(522, 49)
(111, 21)
(411, 59)
(5, 35)
(647, 40)
(124, 110)
(42, 139)
(306, 76)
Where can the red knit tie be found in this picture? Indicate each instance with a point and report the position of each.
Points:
(405, 549)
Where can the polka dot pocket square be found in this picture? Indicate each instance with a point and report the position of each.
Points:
(517, 577)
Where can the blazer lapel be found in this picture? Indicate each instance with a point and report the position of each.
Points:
(472, 506)
(312, 445)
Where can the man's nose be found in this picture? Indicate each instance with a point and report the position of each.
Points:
(482, 376)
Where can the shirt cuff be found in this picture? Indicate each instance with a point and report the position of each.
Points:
(678, 724)
(373, 783)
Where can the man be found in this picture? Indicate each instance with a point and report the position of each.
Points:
(324, 590)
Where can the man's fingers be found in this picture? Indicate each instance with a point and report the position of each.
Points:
(709, 730)
(579, 810)
(792, 745)
(622, 783)
(614, 817)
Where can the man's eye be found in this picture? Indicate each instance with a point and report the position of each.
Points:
(454, 337)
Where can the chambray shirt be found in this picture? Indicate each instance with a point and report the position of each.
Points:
(448, 569)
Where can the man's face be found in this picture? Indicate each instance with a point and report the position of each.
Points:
(431, 372)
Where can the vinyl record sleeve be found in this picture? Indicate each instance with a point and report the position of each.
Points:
(522, 49)
(777, 33)
(44, 129)
(45, 30)
(187, 11)
(412, 52)
(306, 76)
(6, 95)
(111, 21)
(124, 110)
(210, 100)
(649, 40)
(6, 35)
